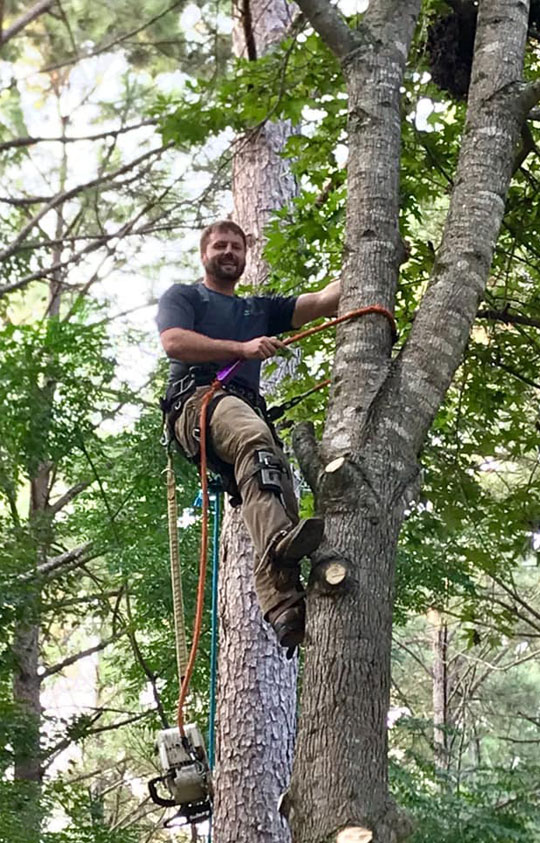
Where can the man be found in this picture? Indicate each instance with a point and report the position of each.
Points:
(203, 328)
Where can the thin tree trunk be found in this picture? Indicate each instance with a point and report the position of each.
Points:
(439, 649)
(26, 643)
(256, 713)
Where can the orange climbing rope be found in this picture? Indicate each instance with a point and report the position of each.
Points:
(203, 556)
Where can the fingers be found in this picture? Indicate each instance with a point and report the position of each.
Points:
(261, 348)
(269, 346)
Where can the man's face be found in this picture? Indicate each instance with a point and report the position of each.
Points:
(224, 257)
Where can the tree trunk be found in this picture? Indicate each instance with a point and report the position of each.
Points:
(380, 409)
(26, 642)
(439, 649)
(256, 711)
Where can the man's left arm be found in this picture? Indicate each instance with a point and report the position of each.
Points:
(310, 306)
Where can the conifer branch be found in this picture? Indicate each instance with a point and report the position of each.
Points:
(62, 197)
(113, 42)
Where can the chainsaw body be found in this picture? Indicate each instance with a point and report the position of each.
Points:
(186, 774)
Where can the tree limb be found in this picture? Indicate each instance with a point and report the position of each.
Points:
(97, 597)
(127, 229)
(69, 194)
(328, 22)
(83, 654)
(518, 375)
(151, 676)
(527, 146)
(68, 496)
(306, 448)
(20, 23)
(495, 115)
(508, 318)
(515, 596)
(531, 95)
(31, 141)
(66, 561)
(67, 741)
(114, 42)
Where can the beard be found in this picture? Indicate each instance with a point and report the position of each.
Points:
(225, 267)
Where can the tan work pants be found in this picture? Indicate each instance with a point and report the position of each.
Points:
(236, 433)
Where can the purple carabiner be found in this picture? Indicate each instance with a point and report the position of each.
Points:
(224, 375)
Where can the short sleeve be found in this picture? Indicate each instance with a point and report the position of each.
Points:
(280, 311)
(175, 309)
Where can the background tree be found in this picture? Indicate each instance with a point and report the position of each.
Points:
(456, 532)
(87, 186)
(257, 685)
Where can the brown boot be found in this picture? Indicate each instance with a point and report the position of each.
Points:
(289, 626)
(301, 540)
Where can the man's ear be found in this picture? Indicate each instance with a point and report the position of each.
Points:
(250, 241)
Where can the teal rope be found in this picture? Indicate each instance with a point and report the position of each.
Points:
(214, 639)
(214, 645)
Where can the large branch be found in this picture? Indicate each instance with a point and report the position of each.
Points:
(327, 21)
(373, 248)
(32, 14)
(496, 111)
(64, 562)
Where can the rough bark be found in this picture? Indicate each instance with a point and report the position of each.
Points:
(380, 410)
(256, 711)
(342, 745)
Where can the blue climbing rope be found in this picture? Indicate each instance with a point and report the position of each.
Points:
(214, 638)
(214, 626)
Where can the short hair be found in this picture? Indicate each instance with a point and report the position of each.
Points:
(221, 225)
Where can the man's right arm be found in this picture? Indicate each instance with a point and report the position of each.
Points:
(192, 347)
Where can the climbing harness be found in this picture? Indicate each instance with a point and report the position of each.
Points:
(182, 753)
(220, 381)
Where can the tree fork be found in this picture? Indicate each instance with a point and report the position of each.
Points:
(339, 789)
(380, 412)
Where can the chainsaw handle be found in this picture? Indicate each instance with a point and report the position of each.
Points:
(154, 795)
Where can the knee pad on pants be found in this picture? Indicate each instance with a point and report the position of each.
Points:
(269, 470)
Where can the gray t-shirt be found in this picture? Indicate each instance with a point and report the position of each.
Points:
(194, 307)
